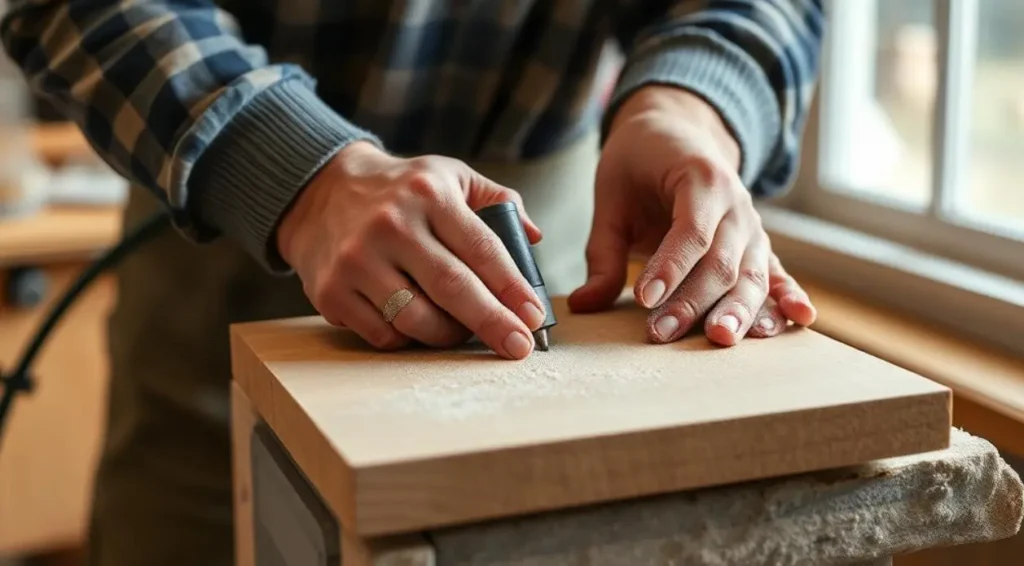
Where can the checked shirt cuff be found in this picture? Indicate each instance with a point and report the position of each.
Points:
(254, 170)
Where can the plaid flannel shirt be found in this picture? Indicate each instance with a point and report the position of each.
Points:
(225, 110)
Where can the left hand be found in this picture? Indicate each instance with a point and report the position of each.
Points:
(668, 187)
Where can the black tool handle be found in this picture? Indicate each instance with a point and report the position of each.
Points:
(503, 219)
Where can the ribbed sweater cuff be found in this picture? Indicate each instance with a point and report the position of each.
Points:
(725, 76)
(254, 169)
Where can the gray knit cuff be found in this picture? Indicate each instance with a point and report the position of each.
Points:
(727, 77)
(255, 168)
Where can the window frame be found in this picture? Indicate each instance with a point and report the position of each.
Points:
(910, 258)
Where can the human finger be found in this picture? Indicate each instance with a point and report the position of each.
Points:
(419, 319)
(352, 310)
(454, 287)
(789, 295)
(695, 218)
(769, 321)
(713, 276)
(480, 248)
(732, 317)
(607, 255)
(481, 191)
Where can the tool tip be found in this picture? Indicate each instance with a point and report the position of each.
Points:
(541, 338)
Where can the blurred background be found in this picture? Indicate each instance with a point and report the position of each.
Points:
(897, 122)
(915, 115)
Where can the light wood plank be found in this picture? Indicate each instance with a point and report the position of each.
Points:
(988, 383)
(420, 438)
(401, 550)
(243, 419)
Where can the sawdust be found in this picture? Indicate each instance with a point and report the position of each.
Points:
(488, 387)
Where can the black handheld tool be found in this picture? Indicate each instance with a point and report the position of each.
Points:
(503, 218)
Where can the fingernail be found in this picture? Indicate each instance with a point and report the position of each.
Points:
(766, 324)
(517, 345)
(530, 315)
(653, 292)
(730, 322)
(666, 326)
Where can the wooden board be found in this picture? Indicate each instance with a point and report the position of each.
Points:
(424, 438)
(400, 550)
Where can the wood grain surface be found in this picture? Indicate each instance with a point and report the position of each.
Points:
(400, 550)
(423, 438)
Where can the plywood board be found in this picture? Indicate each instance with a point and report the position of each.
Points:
(423, 438)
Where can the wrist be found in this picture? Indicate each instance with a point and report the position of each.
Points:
(311, 198)
(660, 102)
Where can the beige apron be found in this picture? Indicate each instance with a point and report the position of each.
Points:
(163, 488)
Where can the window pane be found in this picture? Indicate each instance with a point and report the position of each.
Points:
(880, 109)
(996, 168)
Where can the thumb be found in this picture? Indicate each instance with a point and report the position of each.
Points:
(482, 192)
(607, 254)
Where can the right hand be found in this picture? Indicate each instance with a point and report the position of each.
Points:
(369, 224)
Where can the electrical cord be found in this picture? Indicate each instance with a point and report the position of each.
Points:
(20, 380)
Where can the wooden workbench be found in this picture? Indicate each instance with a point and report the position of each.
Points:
(629, 453)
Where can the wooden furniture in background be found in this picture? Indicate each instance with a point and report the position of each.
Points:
(52, 437)
(60, 141)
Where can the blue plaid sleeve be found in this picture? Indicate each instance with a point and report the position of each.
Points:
(755, 61)
(156, 85)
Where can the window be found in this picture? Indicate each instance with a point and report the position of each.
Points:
(916, 143)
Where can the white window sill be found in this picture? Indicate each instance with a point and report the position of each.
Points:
(958, 297)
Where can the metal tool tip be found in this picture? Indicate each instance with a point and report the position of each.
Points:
(541, 337)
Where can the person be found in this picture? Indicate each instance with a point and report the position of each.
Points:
(326, 155)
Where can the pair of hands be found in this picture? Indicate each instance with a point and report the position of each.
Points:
(369, 224)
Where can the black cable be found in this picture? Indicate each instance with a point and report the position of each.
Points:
(19, 380)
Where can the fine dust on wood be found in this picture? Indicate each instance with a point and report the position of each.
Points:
(593, 360)
(494, 387)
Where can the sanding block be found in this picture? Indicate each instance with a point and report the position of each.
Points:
(503, 219)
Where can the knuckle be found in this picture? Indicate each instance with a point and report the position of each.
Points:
(756, 277)
(451, 282)
(743, 308)
(699, 170)
(512, 195)
(675, 261)
(322, 295)
(687, 309)
(422, 183)
(484, 249)
(388, 220)
(511, 290)
(701, 235)
(723, 265)
(348, 257)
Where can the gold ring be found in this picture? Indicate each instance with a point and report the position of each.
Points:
(396, 302)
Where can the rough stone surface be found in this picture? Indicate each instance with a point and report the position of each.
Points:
(963, 494)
